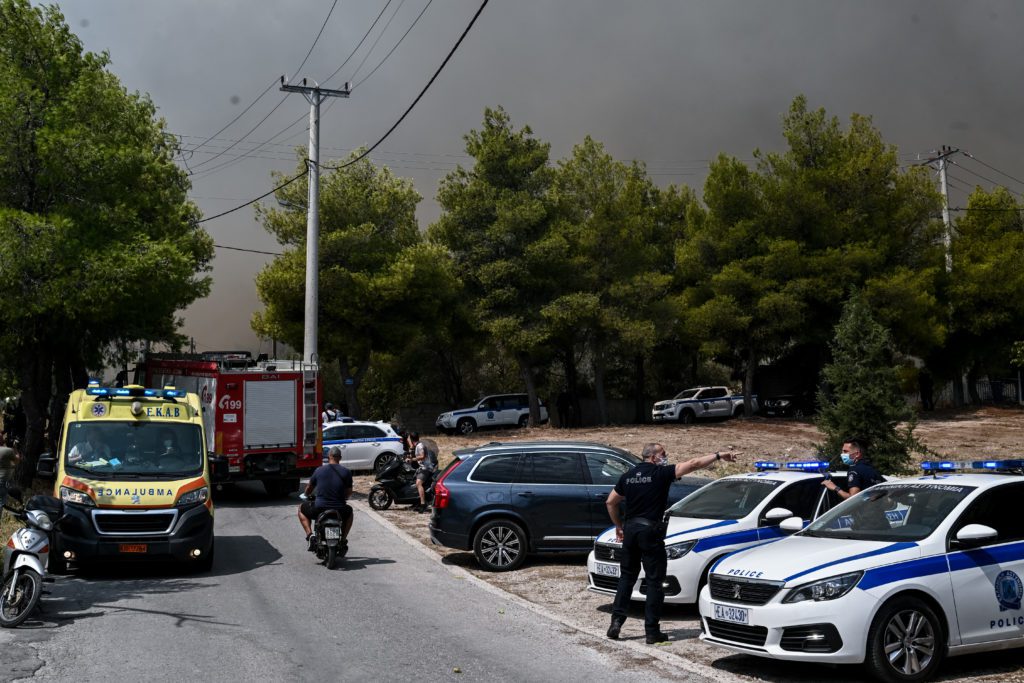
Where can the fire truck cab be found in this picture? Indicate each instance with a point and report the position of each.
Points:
(262, 417)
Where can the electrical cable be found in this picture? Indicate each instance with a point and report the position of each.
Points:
(394, 47)
(253, 201)
(374, 146)
(251, 130)
(251, 251)
(995, 183)
(229, 123)
(315, 40)
(360, 44)
(1003, 173)
(377, 40)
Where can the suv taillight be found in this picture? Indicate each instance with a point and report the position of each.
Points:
(442, 496)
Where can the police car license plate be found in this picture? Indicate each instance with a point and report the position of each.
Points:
(606, 569)
(737, 615)
(134, 548)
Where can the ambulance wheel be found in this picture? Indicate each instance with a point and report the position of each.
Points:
(466, 425)
(205, 563)
(906, 643)
(55, 563)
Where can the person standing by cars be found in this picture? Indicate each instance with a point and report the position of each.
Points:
(645, 489)
(330, 413)
(426, 463)
(861, 474)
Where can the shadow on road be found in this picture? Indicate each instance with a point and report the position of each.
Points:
(467, 560)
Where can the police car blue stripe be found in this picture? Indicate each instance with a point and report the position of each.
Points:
(895, 547)
(982, 557)
(712, 542)
(727, 522)
(335, 442)
(912, 569)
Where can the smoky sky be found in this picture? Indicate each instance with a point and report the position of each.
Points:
(670, 83)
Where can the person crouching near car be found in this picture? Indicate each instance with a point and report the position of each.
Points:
(642, 535)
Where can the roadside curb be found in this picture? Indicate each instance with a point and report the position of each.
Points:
(687, 665)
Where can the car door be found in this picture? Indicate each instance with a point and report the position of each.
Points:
(365, 444)
(720, 404)
(488, 412)
(551, 494)
(510, 410)
(336, 436)
(604, 471)
(987, 580)
(802, 498)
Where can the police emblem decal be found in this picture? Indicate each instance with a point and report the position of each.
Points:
(136, 499)
(1009, 591)
(98, 410)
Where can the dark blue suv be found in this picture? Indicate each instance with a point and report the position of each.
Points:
(504, 500)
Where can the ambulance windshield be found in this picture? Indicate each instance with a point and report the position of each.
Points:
(134, 449)
(725, 499)
(892, 512)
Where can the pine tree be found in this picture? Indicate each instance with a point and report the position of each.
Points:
(861, 395)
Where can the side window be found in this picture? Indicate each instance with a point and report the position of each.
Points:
(510, 403)
(605, 470)
(336, 433)
(365, 432)
(498, 469)
(998, 508)
(489, 404)
(800, 498)
(552, 468)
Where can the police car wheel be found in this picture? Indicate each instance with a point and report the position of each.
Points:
(382, 461)
(906, 642)
(524, 420)
(466, 426)
(687, 417)
(500, 545)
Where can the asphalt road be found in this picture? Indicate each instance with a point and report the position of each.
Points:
(269, 611)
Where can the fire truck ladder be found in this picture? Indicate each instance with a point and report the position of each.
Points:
(310, 409)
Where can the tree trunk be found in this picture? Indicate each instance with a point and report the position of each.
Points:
(572, 382)
(62, 385)
(748, 384)
(972, 385)
(640, 412)
(602, 403)
(35, 378)
(531, 388)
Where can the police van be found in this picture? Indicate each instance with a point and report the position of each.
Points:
(898, 577)
(729, 514)
(133, 475)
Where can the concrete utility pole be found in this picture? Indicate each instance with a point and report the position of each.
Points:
(314, 94)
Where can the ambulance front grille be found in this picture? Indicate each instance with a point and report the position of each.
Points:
(129, 523)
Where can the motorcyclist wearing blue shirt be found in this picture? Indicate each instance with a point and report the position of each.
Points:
(333, 485)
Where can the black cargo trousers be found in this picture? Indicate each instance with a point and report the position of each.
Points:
(643, 543)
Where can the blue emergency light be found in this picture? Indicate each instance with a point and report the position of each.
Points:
(134, 391)
(998, 465)
(984, 465)
(944, 465)
(807, 465)
(762, 465)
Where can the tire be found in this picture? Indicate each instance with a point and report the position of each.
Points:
(687, 417)
(917, 660)
(799, 413)
(739, 412)
(500, 546)
(466, 425)
(524, 421)
(205, 563)
(332, 557)
(380, 498)
(280, 488)
(382, 461)
(55, 563)
(26, 596)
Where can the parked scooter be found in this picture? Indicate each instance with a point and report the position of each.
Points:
(25, 556)
(330, 546)
(397, 484)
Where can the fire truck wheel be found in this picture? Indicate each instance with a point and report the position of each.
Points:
(280, 488)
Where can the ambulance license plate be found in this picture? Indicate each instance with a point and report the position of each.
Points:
(606, 569)
(134, 548)
(736, 615)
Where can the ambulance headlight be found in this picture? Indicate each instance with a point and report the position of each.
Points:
(677, 550)
(194, 497)
(826, 589)
(76, 497)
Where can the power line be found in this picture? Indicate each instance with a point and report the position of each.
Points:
(382, 32)
(995, 183)
(1003, 173)
(253, 201)
(228, 125)
(315, 40)
(394, 47)
(418, 97)
(251, 251)
(251, 131)
(362, 40)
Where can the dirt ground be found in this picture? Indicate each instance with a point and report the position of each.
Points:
(558, 582)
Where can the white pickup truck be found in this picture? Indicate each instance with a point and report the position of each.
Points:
(699, 403)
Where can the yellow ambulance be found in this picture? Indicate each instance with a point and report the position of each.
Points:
(133, 474)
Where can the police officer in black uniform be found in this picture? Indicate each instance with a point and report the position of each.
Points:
(861, 473)
(645, 490)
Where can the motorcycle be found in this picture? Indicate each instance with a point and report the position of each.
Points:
(25, 556)
(397, 484)
(330, 546)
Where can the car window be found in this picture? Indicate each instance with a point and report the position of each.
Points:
(605, 470)
(551, 468)
(998, 508)
(488, 404)
(511, 403)
(725, 499)
(365, 432)
(686, 393)
(499, 469)
(713, 393)
(800, 498)
(336, 433)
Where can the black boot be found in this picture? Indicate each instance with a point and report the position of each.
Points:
(654, 637)
(613, 630)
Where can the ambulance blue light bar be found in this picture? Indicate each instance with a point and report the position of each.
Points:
(807, 465)
(762, 465)
(135, 392)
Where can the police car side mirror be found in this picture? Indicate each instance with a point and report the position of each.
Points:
(975, 534)
(777, 514)
(46, 467)
(792, 525)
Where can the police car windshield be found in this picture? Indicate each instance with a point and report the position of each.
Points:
(892, 512)
(725, 499)
(134, 449)
(687, 393)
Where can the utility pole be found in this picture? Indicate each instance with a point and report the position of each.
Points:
(314, 94)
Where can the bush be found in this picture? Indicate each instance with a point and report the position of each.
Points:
(862, 395)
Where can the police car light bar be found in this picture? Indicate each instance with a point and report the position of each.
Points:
(812, 465)
(762, 465)
(114, 392)
(998, 465)
(945, 465)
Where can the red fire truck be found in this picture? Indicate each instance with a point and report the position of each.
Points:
(262, 416)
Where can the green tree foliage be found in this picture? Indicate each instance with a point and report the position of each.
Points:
(98, 242)
(495, 216)
(862, 396)
(986, 284)
(379, 284)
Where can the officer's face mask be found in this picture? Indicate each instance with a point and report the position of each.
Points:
(661, 459)
(846, 458)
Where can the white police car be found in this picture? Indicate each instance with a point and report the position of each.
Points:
(500, 410)
(729, 514)
(897, 577)
(364, 445)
